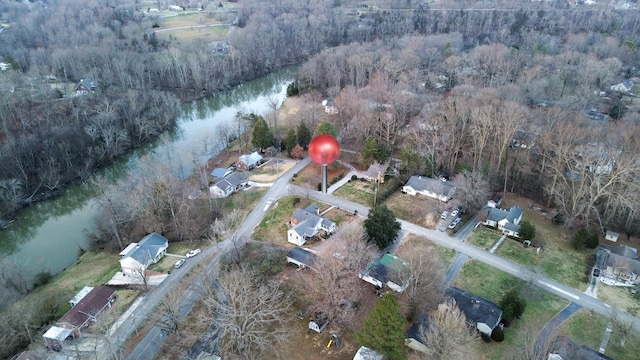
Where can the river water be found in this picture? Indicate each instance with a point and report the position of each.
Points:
(49, 235)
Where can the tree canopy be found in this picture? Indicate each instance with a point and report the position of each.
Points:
(304, 134)
(326, 127)
(383, 329)
(513, 305)
(381, 226)
(527, 230)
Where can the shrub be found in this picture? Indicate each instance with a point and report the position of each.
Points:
(319, 186)
(497, 335)
(592, 241)
(527, 230)
(41, 278)
(354, 177)
(512, 305)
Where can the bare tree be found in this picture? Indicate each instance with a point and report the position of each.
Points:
(449, 336)
(424, 276)
(334, 287)
(247, 314)
(472, 189)
(622, 327)
(532, 344)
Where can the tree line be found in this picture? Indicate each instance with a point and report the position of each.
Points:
(138, 73)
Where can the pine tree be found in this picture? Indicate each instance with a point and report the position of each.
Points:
(512, 305)
(304, 135)
(291, 141)
(381, 226)
(326, 127)
(369, 151)
(262, 135)
(383, 330)
(527, 230)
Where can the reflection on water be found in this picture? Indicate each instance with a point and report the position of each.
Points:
(48, 235)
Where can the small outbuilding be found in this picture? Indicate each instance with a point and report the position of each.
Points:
(611, 236)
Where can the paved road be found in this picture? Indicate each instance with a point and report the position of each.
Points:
(153, 341)
(281, 188)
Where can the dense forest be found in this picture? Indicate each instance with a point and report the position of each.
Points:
(428, 63)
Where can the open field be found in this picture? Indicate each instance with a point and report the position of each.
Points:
(205, 34)
(491, 284)
(515, 251)
(357, 191)
(420, 210)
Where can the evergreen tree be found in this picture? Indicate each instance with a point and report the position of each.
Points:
(291, 141)
(304, 135)
(262, 135)
(383, 329)
(512, 305)
(527, 230)
(326, 127)
(369, 151)
(381, 226)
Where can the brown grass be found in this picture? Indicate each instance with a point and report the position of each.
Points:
(420, 210)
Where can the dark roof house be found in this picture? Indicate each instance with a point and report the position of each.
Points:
(565, 349)
(376, 172)
(85, 86)
(88, 309)
(301, 257)
(484, 314)
(221, 172)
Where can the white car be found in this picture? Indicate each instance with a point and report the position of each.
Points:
(193, 253)
(454, 223)
(444, 215)
(454, 213)
(179, 263)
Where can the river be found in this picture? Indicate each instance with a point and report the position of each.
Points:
(49, 235)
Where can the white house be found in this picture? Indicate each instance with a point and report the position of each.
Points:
(386, 271)
(427, 186)
(224, 187)
(248, 162)
(306, 224)
(507, 221)
(329, 106)
(138, 256)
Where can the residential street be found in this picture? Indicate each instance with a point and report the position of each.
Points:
(149, 346)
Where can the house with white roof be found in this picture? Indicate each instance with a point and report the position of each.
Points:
(248, 162)
(423, 185)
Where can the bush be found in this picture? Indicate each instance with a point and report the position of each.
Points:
(497, 335)
(527, 230)
(319, 186)
(592, 241)
(354, 177)
(512, 305)
(296, 200)
(585, 238)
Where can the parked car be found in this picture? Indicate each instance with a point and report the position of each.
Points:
(596, 272)
(454, 212)
(454, 223)
(179, 263)
(444, 215)
(193, 253)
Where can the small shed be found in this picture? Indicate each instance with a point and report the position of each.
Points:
(611, 236)
(57, 333)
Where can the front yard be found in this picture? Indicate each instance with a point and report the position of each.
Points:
(483, 238)
(418, 209)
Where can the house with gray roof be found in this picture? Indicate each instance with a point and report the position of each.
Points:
(376, 172)
(301, 257)
(423, 185)
(481, 313)
(220, 172)
(138, 256)
(307, 223)
(622, 264)
(506, 220)
(248, 162)
(225, 186)
(85, 86)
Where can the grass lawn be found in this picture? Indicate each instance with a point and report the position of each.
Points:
(420, 210)
(585, 327)
(311, 175)
(483, 237)
(491, 284)
(558, 260)
(619, 297)
(413, 241)
(514, 250)
(187, 20)
(357, 191)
